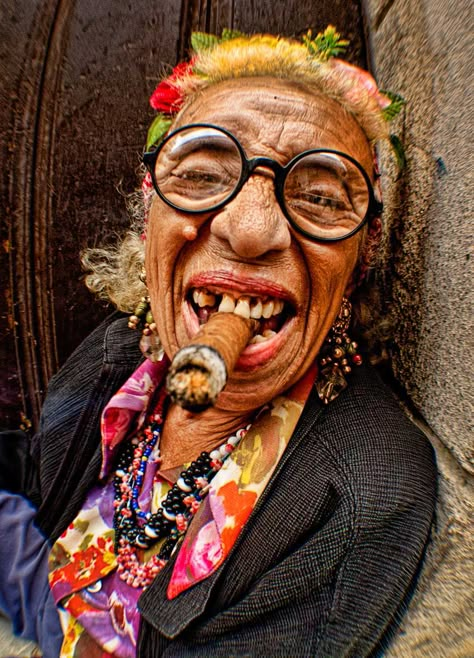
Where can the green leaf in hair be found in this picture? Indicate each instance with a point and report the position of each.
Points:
(157, 129)
(398, 151)
(228, 34)
(203, 41)
(396, 105)
(325, 44)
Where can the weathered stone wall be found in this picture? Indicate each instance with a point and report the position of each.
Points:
(423, 49)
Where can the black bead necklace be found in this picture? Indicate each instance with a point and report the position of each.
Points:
(136, 529)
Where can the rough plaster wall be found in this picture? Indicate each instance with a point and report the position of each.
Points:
(423, 49)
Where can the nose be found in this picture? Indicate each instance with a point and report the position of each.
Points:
(253, 223)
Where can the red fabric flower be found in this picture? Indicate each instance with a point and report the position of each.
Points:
(167, 98)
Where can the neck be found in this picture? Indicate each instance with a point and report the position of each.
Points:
(185, 434)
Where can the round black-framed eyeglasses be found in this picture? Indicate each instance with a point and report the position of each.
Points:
(325, 194)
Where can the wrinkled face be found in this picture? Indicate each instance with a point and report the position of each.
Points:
(248, 249)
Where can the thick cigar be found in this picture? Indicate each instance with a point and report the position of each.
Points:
(199, 371)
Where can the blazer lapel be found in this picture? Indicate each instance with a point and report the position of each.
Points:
(172, 617)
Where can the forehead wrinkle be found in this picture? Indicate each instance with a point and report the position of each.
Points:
(282, 138)
(285, 133)
(274, 119)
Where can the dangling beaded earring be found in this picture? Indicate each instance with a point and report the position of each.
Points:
(337, 356)
(150, 344)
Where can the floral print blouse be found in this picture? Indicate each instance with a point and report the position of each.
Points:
(98, 610)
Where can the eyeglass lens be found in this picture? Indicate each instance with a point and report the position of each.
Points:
(325, 194)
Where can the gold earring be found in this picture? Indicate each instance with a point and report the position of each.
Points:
(150, 344)
(336, 357)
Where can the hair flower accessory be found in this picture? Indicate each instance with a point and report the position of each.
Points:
(362, 82)
(325, 44)
(314, 60)
(324, 48)
(167, 99)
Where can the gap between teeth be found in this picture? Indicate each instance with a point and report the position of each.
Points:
(243, 306)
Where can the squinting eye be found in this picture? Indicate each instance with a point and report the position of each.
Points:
(319, 200)
(198, 177)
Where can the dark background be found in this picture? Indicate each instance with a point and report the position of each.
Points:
(75, 78)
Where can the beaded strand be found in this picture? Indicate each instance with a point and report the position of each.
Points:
(136, 529)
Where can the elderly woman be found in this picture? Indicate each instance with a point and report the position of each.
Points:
(289, 517)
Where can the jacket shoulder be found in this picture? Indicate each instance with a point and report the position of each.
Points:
(389, 460)
(111, 344)
(67, 447)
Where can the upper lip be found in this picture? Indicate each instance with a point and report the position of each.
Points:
(253, 286)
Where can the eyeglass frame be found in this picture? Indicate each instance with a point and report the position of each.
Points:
(374, 207)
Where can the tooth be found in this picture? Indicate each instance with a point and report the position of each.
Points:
(242, 307)
(256, 310)
(267, 309)
(227, 304)
(210, 299)
(278, 307)
(195, 295)
(200, 302)
(258, 338)
(206, 299)
(268, 333)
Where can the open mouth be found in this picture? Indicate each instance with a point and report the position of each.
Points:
(271, 313)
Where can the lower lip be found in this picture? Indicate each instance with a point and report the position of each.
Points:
(253, 355)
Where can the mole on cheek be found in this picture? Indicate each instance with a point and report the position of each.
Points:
(190, 232)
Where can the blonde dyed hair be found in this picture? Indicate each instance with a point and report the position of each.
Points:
(268, 56)
(113, 272)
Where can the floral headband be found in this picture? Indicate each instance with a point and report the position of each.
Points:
(168, 97)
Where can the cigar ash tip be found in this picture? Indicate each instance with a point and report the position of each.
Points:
(197, 375)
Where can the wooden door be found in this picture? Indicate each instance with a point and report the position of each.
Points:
(75, 80)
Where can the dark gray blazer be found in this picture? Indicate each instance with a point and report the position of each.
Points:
(329, 557)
